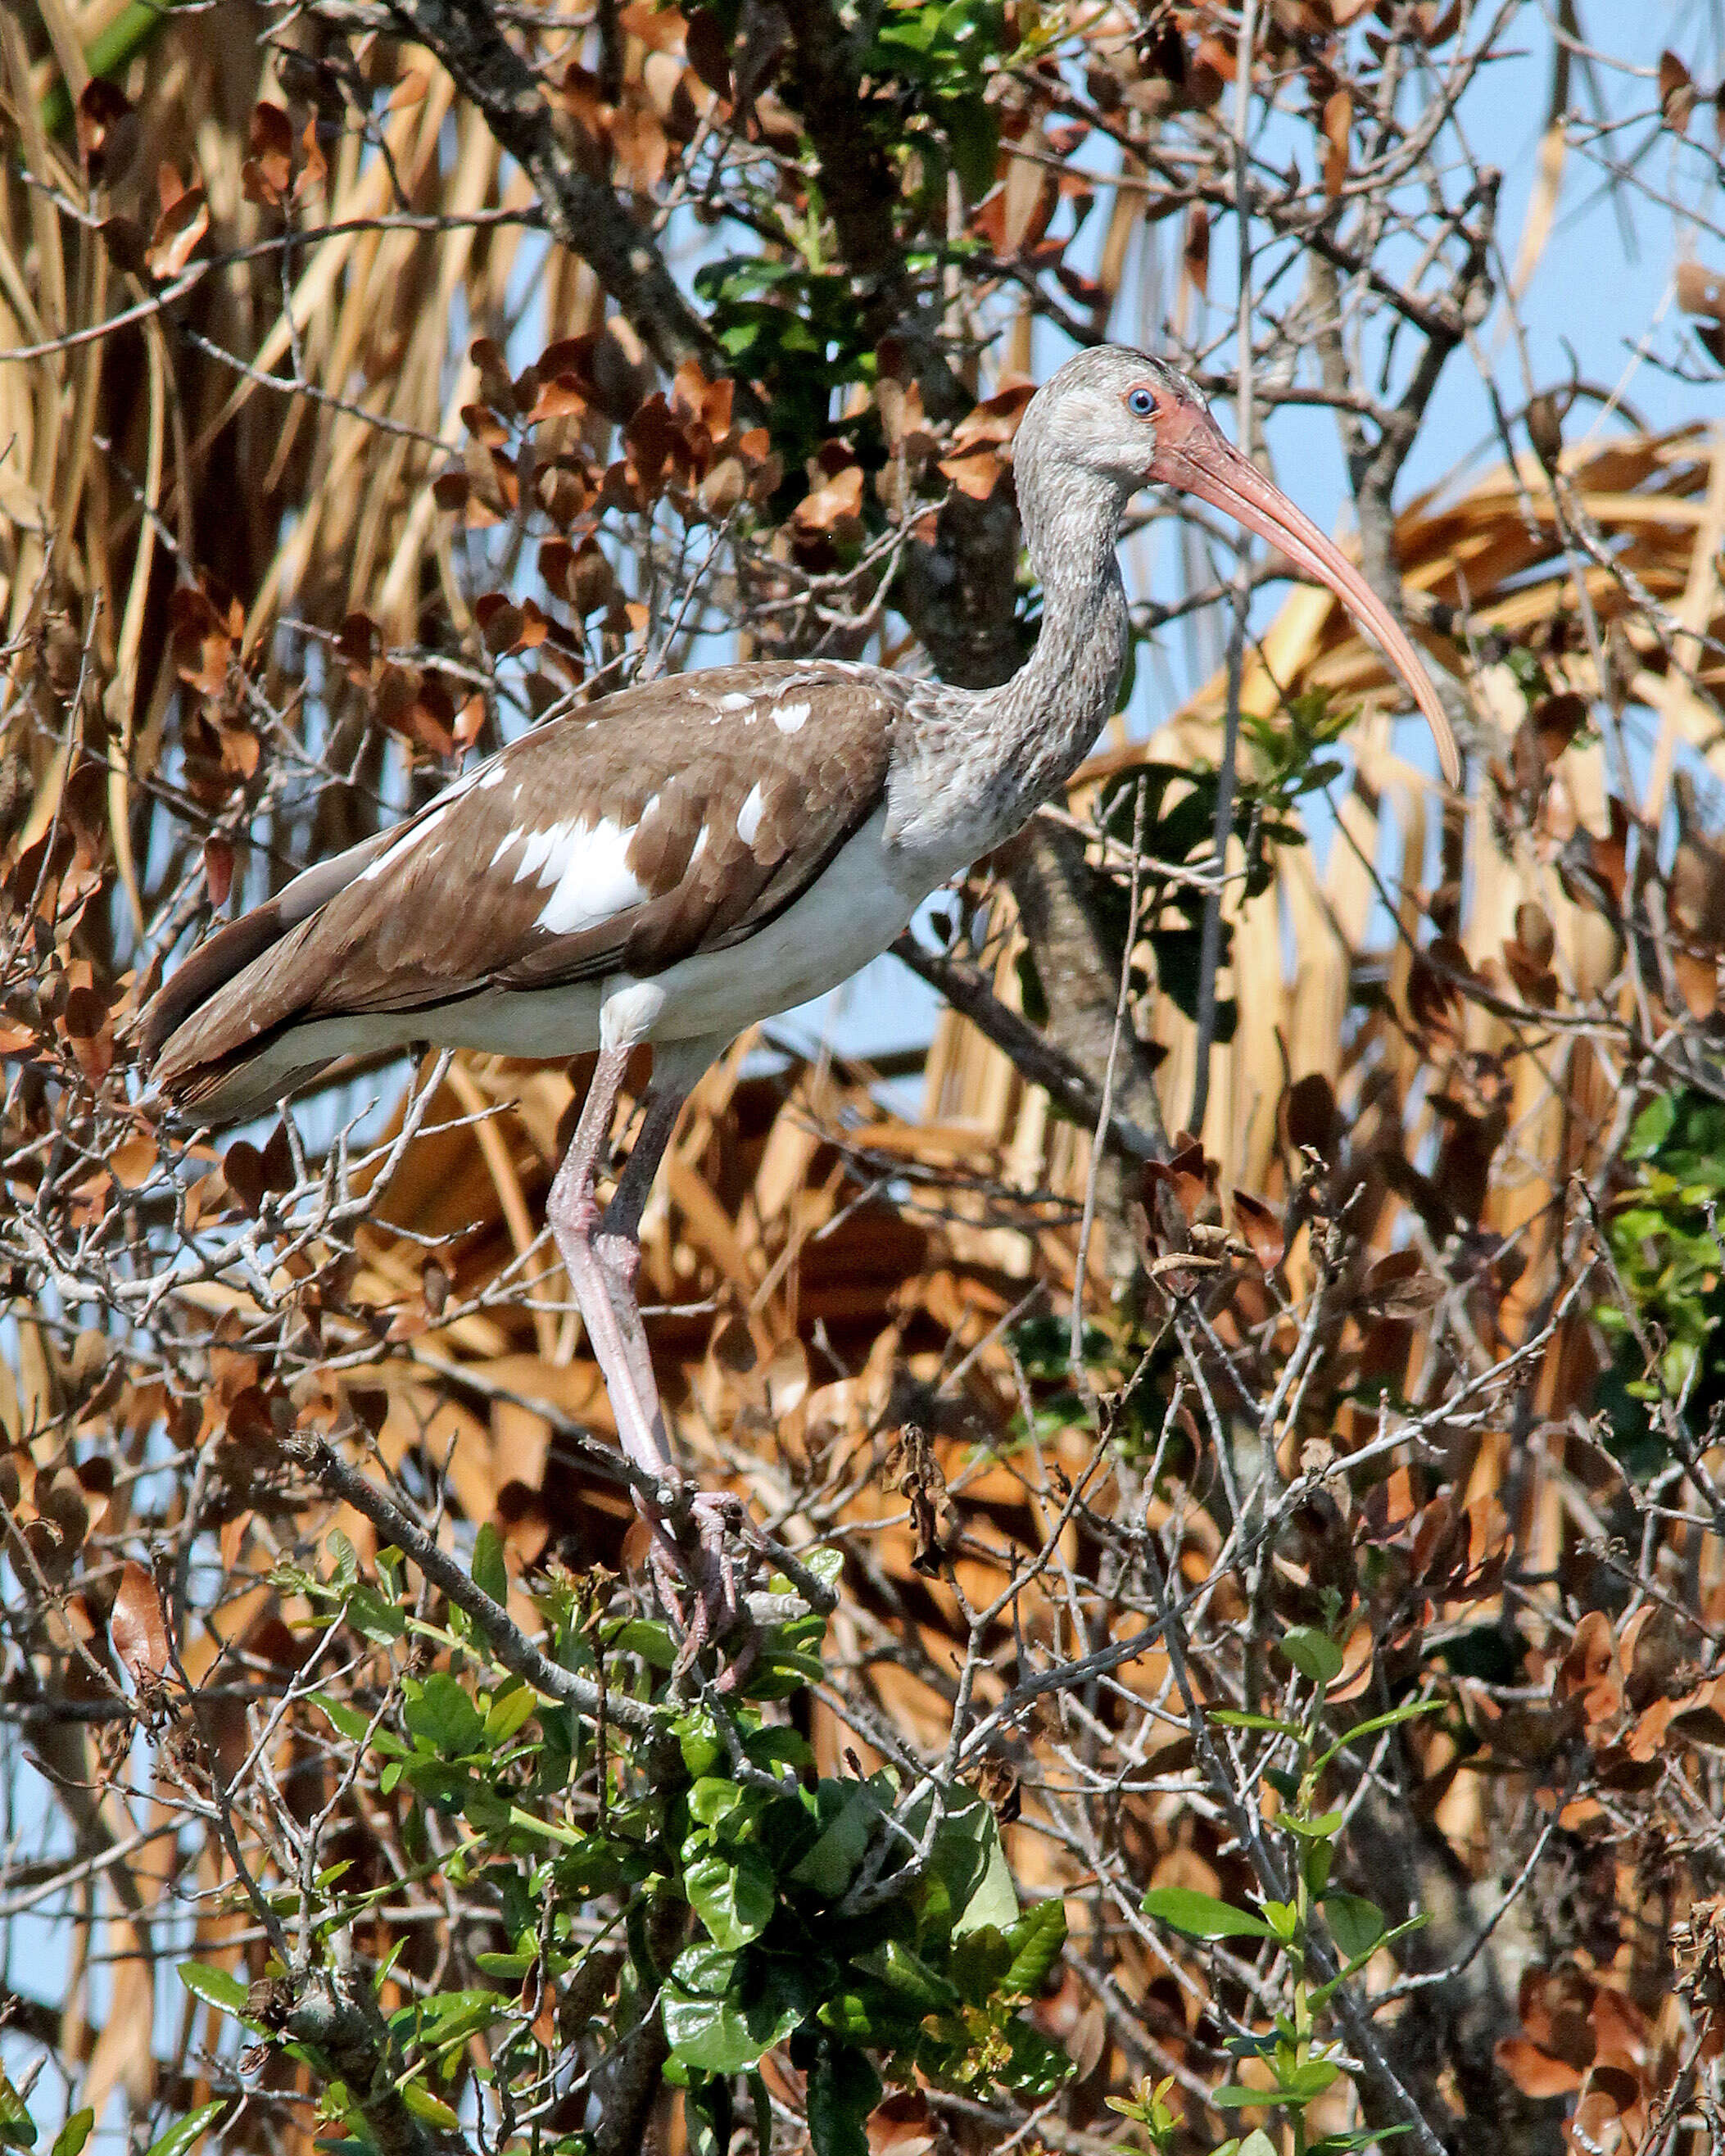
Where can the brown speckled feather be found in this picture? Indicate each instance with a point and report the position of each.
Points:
(671, 818)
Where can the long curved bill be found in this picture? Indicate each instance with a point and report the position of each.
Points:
(1193, 454)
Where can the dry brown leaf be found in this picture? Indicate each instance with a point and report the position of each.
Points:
(1337, 123)
(137, 1628)
(1195, 250)
(1534, 2072)
(1676, 93)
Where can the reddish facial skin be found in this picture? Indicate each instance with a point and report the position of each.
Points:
(1192, 455)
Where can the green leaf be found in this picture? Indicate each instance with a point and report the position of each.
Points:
(831, 1863)
(1314, 1829)
(1236, 1718)
(842, 2089)
(1652, 1126)
(215, 1987)
(698, 1740)
(1313, 1653)
(734, 1899)
(979, 1962)
(490, 1573)
(439, 1710)
(374, 1616)
(73, 2135)
(969, 1843)
(1232, 2096)
(712, 1799)
(1408, 1712)
(1202, 1916)
(708, 2110)
(1283, 1919)
(508, 1711)
(763, 2112)
(1363, 2136)
(419, 2100)
(17, 2130)
(188, 2132)
(648, 1638)
(777, 1746)
(348, 1721)
(908, 1974)
(1036, 1940)
(1259, 2143)
(345, 1558)
(1356, 1924)
(1309, 2080)
(713, 2034)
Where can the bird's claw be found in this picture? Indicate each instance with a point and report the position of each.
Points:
(694, 1535)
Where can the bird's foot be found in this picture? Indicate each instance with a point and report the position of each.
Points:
(697, 1538)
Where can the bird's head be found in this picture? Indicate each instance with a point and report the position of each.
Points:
(1120, 420)
(1107, 414)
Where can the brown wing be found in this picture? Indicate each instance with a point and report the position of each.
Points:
(671, 818)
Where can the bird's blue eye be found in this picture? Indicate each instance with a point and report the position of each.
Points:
(1140, 402)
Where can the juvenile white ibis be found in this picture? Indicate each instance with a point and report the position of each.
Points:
(689, 856)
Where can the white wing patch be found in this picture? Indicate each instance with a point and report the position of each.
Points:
(789, 718)
(543, 849)
(748, 817)
(592, 876)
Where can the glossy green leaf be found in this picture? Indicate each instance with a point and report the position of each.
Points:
(842, 2089)
(713, 1799)
(419, 2100)
(215, 1987)
(17, 2130)
(1309, 2080)
(908, 1974)
(187, 2131)
(374, 1616)
(647, 1637)
(1036, 1940)
(72, 2136)
(698, 1740)
(715, 2035)
(1202, 1916)
(1283, 1919)
(734, 1900)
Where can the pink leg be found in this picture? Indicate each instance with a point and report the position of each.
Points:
(572, 1214)
(602, 1256)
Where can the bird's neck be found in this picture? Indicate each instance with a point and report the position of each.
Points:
(1054, 708)
(993, 757)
